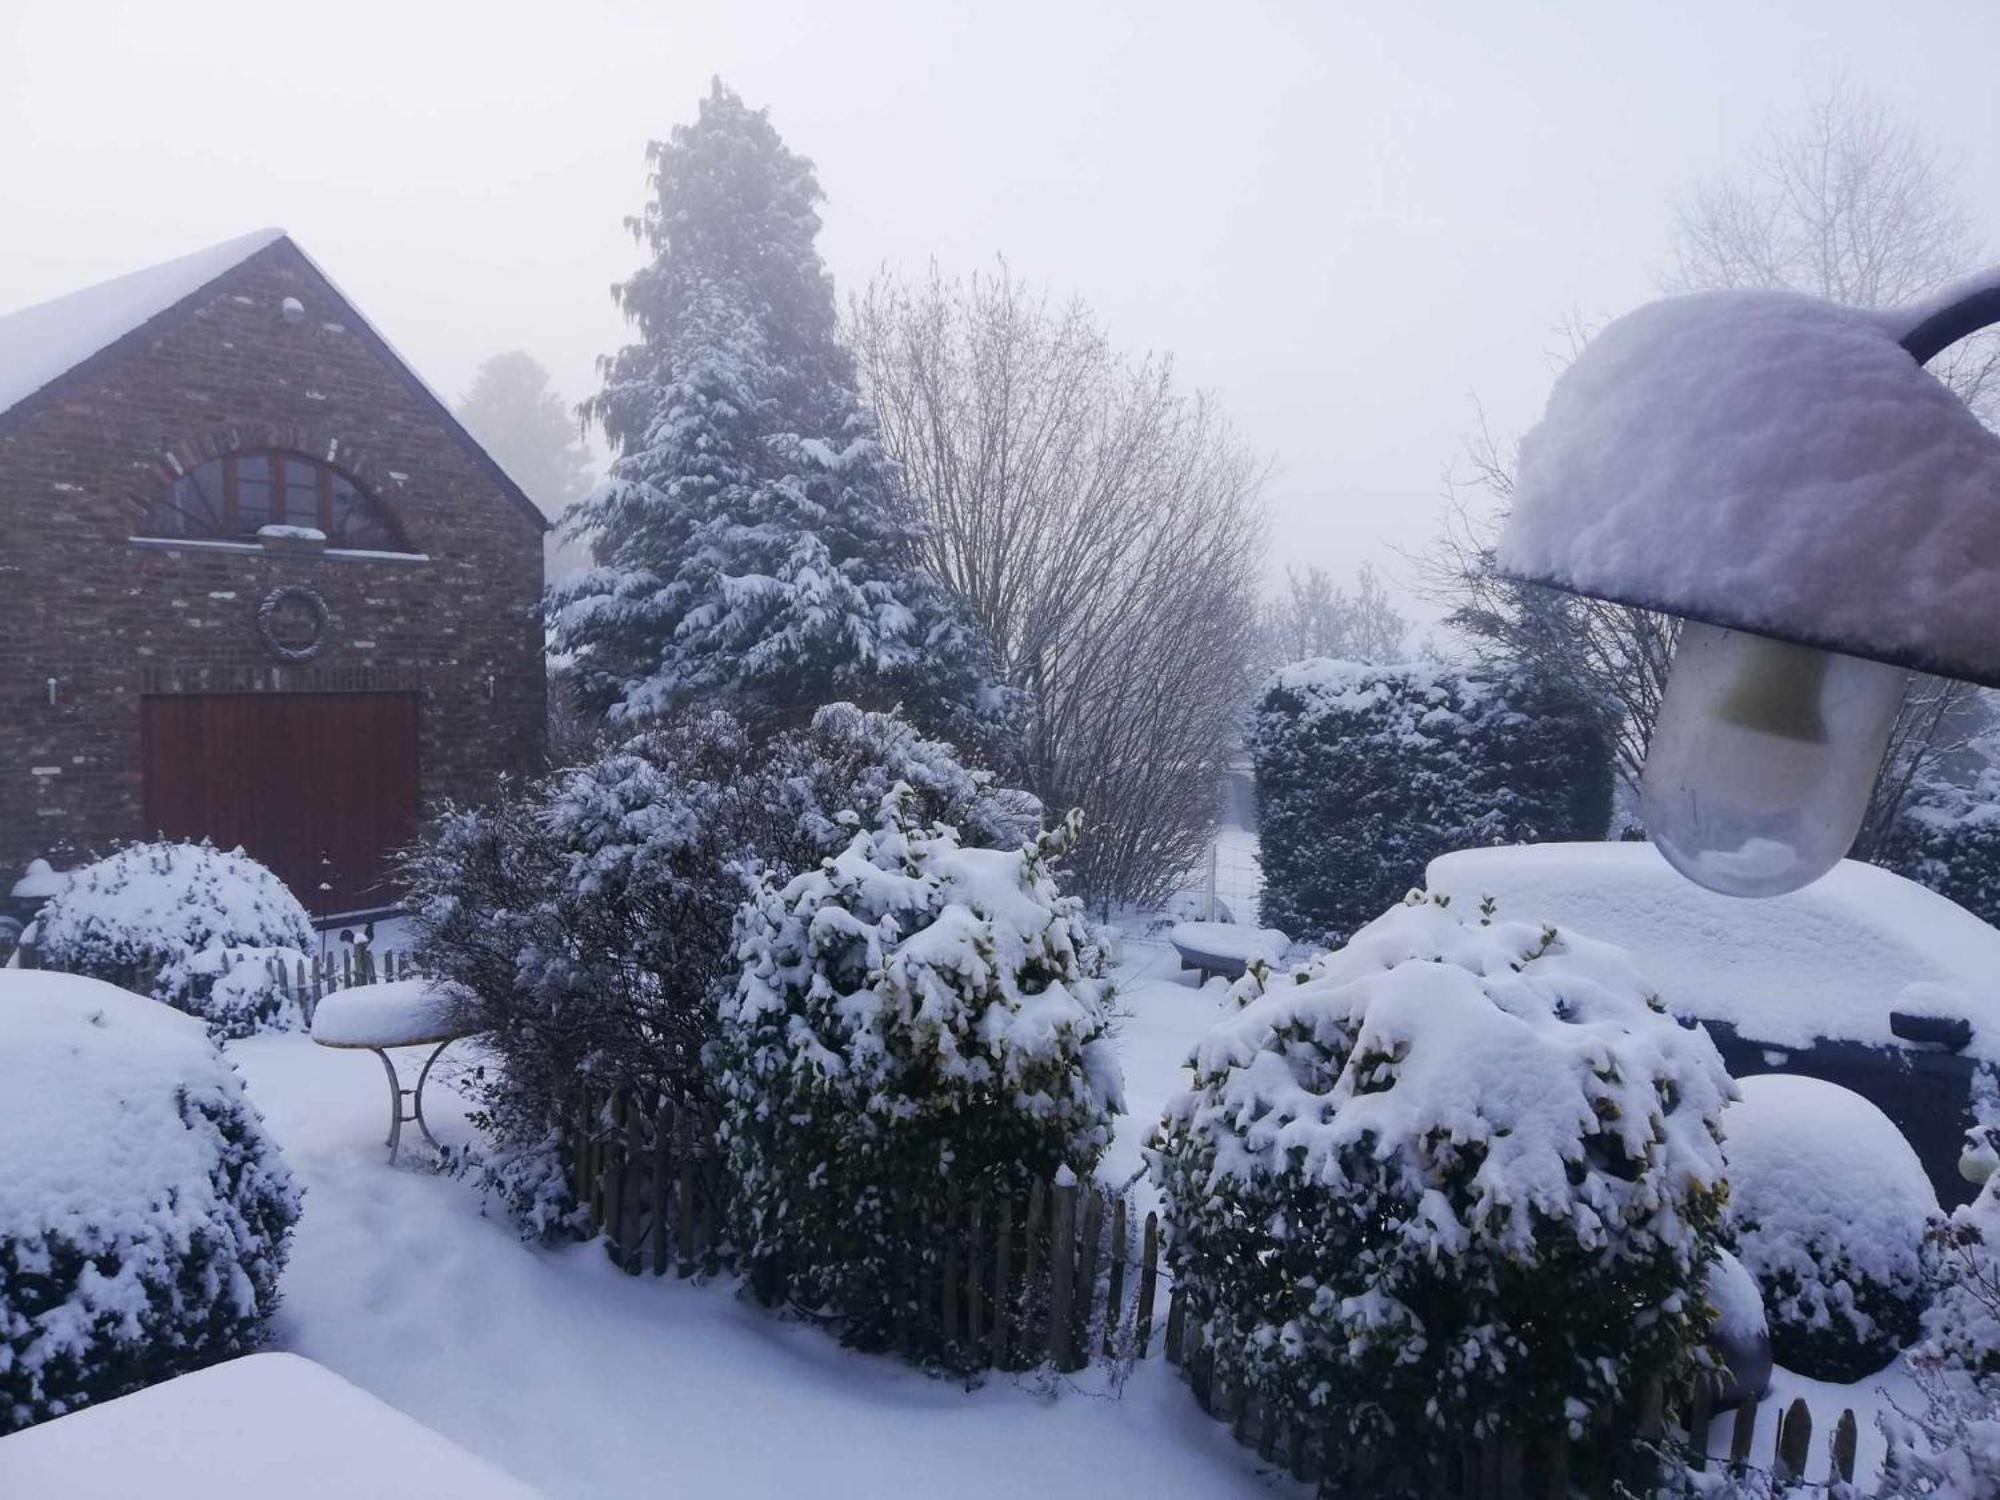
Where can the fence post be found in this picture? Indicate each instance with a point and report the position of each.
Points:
(1741, 1435)
(663, 1169)
(1794, 1441)
(975, 1270)
(1062, 1274)
(1843, 1446)
(1149, 1275)
(1003, 1301)
(1114, 1297)
(1031, 1263)
(1086, 1273)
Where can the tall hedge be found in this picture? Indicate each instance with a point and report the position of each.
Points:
(1365, 773)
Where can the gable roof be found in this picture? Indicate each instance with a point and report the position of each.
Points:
(41, 344)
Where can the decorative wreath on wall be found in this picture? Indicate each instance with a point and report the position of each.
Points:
(291, 623)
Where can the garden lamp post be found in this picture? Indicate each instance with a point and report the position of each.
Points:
(1824, 515)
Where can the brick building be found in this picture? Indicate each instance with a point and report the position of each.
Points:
(257, 582)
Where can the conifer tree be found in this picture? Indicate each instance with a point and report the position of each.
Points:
(752, 541)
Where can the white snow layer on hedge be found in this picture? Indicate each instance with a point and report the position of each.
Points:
(245, 987)
(947, 936)
(1526, 1040)
(1774, 458)
(1831, 960)
(154, 897)
(1816, 1166)
(109, 1143)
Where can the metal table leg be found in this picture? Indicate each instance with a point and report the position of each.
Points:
(397, 1094)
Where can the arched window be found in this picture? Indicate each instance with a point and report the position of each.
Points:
(232, 498)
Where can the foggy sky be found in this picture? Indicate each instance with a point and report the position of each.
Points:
(1347, 221)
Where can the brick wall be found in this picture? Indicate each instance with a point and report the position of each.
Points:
(110, 621)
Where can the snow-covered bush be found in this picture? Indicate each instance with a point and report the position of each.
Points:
(1460, 1176)
(589, 914)
(175, 912)
(1366, 773)
(1828, 1205)
(143, 1210)
(1948, 838)
(917, 1024)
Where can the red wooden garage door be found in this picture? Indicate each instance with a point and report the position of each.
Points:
(319, 786)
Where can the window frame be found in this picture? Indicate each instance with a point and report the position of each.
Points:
(291, 501)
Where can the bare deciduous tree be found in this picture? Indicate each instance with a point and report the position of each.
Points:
(1314, 616)
(1848, 204)
(1105, 529)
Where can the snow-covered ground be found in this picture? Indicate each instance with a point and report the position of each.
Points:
(585, 1382)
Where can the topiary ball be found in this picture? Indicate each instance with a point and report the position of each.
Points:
(143, 1209)
(1828, 1204)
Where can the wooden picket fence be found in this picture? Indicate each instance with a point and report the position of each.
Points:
(302, 984)
(1066, 1275)
(1616, 1446)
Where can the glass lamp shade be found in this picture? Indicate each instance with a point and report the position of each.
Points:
(1763, 757)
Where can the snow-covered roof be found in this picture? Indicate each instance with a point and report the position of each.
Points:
(41, 343)
(1831, 960)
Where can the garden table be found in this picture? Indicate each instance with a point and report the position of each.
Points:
(400, 1013)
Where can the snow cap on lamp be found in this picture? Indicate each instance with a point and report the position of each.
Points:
(1773, 463)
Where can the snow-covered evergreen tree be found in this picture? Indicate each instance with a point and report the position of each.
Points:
(751, 536)
(917, 1025)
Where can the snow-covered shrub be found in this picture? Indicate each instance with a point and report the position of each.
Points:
(590, 913)
(917, 1023)
(175, 911)
(1460, 1176)
(143, 1209)
(1367, 773)
(1948, 838)
(1828, 1205)
(1950, 1450)
(847, 759)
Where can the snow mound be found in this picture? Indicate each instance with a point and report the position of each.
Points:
(1829, 1206)
(143, 1211)
(182, 910)
(40, 343)
(1831, 960)
(396, 1013)
(266, 1424)
(1773, 461)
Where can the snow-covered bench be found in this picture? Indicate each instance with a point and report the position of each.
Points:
(399, 1013)
(1224, 948)
(266, 1424)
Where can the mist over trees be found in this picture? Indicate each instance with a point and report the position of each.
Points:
(1844, 202)
(513, 409)
(1314, 616)
(752, 540)
(1104, 528)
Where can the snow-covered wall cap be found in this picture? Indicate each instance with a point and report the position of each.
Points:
(1775, 463)
(41, 343)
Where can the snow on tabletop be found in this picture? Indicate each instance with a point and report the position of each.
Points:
(40, 343)
(39, 880)
(398, 1013)
(1774, 460)
(1228, 940)
(92, 1127)
(1831, 960)
(263, 1425)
